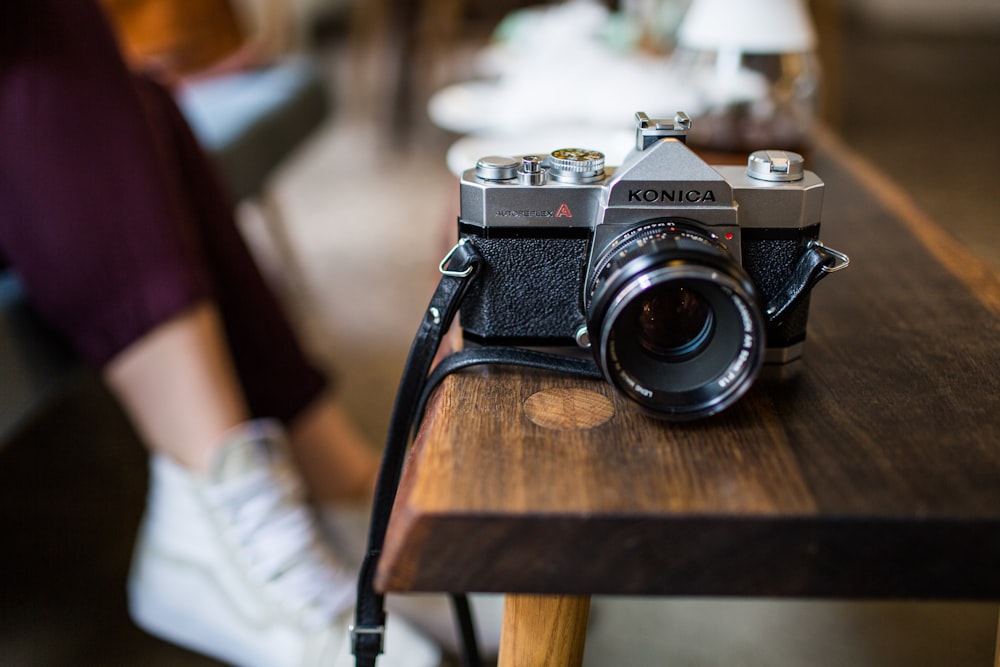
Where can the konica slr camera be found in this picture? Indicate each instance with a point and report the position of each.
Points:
(682, 278)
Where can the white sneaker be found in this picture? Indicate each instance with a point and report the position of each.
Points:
(230, 565)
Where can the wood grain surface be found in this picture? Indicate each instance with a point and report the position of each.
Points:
(871, 468)
(543, 631)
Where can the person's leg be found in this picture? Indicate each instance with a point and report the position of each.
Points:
(97, 218)
(178, 385)
(337, 461)
(279, 380)
(99, 228)
(110, 244)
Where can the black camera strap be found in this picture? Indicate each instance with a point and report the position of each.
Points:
(815, 263)
(458, 270)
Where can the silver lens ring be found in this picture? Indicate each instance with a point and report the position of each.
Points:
(701, 384)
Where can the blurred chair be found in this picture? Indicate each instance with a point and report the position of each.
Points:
(249, 123)
(415, 36)
(35, 363)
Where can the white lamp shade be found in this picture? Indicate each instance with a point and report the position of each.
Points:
(748, 26)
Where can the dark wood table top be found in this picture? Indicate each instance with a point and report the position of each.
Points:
(873, 471)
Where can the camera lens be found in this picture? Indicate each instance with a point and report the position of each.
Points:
(675, 321)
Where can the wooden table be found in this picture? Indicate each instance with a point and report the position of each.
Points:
(873, 472)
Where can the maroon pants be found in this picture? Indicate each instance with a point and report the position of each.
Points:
(110, 213)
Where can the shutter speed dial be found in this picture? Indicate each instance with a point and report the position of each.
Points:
(576, 165)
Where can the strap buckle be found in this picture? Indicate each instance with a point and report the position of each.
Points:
(443, 266)
(356, 632)
(843, 261)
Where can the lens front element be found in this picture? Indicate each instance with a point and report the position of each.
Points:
(677, 325)
(674, 322)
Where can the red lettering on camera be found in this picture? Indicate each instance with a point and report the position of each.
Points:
(564, 212)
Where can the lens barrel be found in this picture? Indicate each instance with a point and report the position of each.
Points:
(674, 320)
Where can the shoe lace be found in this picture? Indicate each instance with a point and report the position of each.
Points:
(276, 540)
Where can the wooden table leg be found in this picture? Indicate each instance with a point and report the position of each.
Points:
(996, 658)
(544, 630)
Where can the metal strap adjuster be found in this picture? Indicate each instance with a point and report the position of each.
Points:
(443, 266)
(356, 632)
(841, 261)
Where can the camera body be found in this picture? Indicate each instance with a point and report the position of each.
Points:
(678, 256)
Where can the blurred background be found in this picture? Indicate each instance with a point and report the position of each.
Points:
(364, 206)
